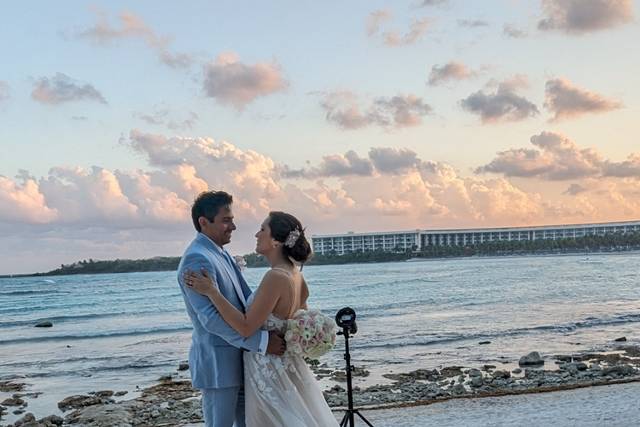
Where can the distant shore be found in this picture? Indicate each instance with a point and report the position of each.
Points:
(255, 261)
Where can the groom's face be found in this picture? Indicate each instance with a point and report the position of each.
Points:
(219, 230)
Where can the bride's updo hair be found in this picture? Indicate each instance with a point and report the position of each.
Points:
(282, 225)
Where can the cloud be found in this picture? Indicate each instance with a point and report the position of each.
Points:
(62, 88)
(565, 100)
(5, 93)
(629, 168)
(162, 117)
(583, 16)
(393, 160)
(406, 110)
(376, 19)
(503, 105)
(335, 165)
(133, 27)
(432, 2)
(343, 110)
(575, 189)
(21, 201)
(232, 82)
(382, 160)
(100, 213)
(450, 71)
(417, 28)
(472, 23)
(513, 32)
(557, 158)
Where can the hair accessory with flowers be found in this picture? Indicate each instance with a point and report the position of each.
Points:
(292, 238)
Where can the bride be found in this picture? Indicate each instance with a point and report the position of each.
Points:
(279, 390)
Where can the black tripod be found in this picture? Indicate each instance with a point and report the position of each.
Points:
(348, 416)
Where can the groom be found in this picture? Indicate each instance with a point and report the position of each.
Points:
(215, 357)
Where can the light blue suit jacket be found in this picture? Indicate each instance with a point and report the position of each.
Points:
(215, 357)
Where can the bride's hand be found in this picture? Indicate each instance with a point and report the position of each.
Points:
(202, 283)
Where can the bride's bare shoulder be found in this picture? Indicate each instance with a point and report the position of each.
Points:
(275, 277)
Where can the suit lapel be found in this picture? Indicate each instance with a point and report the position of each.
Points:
(234, 277)
(228, 269)
(243, 283)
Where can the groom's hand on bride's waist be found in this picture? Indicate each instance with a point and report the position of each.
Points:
(276, 345)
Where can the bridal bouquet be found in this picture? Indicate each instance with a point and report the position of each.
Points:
(310, 334)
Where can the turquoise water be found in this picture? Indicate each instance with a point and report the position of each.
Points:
(122, 330)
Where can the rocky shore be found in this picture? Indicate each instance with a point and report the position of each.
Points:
(173, 402)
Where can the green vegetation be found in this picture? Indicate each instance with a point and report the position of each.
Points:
(117, 266)
(607, 243)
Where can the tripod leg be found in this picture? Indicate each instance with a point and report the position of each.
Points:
(363, 418)
(345, 419)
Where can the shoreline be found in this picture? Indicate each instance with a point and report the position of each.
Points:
(410, 260)
(172, 401)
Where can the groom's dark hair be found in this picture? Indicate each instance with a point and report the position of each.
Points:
(208, 204)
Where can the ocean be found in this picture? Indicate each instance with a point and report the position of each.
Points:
(124, 331)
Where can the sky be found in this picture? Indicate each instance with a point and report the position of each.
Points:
(353, 116)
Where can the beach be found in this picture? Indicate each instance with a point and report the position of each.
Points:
(563, 397)
(436, 331)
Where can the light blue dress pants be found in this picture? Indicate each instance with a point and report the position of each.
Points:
(223, 407)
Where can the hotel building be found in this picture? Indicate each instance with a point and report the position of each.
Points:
(416, 240)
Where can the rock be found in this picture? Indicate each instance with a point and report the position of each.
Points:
(28, 418)
(476, 381)
(621, 339)
(451, 371)
(9, 386)
(13, 401)
(564, 358)
(517, 371)
(18, 412)
(573, 367)
(78, 401)
(484, 342)
(632, 351)
(53, 420)
(474, 373)
(44, 324)
(457, 389)
(108, 415)
(120, 393)
(501, 374)
(595, 367)
(531, 359)
(488, 367)
(619, 370)
(104, 393)
(359, 372)
(183, 366)
(419, 374)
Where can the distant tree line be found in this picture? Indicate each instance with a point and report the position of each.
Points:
(116, 266)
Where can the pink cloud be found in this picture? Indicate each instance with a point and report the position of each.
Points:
(583, 16)
(232, 82)
(565, 100)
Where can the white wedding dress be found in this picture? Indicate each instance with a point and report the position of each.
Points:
(281, 391)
